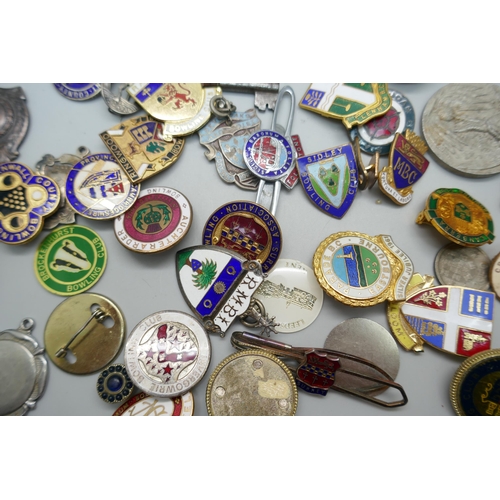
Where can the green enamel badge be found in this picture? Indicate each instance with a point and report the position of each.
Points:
(70, 260)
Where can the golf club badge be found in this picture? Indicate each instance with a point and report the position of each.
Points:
(458, 217)
(378, 134)
(167, 354)
(142, 405)
(451, 318)
(330, 179)
(157, 221)
(14, 121)
(78, 91)
(97, 188)
(270, 155)
(217, 284)
(248, 229)
(225, 144)
(25, 200)
(184, 107)
(58, 170)
(361, 270)
(353, 103)
(70, 260)
(138, 147)
(406, 165)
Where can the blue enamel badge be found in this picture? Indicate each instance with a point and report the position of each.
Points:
(330, 179)
(78, 91)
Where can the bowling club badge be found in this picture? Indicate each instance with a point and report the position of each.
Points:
(25, 200)
(138, 147)
(78, 91)
(217, 284)
(361, 270)
(317, 373)
(406, 165)
(97, 188)
(353, 103)
(452, 318)
(183, 107)
(330, 179)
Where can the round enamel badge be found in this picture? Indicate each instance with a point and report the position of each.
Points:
(70, 260)
(157, 221)
(248, 229)
(97, 188)
(142, 405)
(78, 91)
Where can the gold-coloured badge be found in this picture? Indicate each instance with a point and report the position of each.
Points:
(458, 217)
(139, 148)
(361, 270)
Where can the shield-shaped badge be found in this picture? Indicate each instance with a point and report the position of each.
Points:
(317, 373)
(353, 103)
(217, 284)
(451, 318)
(406, 165)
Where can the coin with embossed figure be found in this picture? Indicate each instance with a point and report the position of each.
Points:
(251, 383)
(495, 275)
(462, 266)
(142, 405)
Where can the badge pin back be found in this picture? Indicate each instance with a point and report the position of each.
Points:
(143, 405)
(15, 121)
(406, 166)
(453, 319)
(217, 284)
(353, 103)
(458, 217)
(114, 385)
(252, 383)
(494, 275)
(167, 354)
(23, 370)
(378, 134)
(138, 146)
(84, 333)
(248, 229)
(330, 179)
(97, 188)
(159, 219)
(78, 91)
(292, 295)
(26, 199)
(475, 388)
(70, 260)
(360, 270)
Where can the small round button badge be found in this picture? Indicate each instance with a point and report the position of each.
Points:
(114, 384)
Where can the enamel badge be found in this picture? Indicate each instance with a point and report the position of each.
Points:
(406, 165)
(25, 200)
(225, 144)
(451, 318)
(317, 373)
(138, 147)
(217, 284)
(78, 91)
(184, 107)
(353, 103)
(330, 179)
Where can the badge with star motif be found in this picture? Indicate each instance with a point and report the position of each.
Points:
(138, 147)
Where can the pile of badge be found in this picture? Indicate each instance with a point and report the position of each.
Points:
(237, 272)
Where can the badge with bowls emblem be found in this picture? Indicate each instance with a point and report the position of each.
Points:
(157, 221)
(458, 217)
(138, 147)
(406, 165)
(25, 200)
(330, 179)
(362, 270)
(225, 144)
(452, 318)
(353, 103)
(184, 107)
(217, 284)
(97, 188)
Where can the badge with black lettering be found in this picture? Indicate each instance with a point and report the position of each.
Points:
(217, 284)
(406, 165)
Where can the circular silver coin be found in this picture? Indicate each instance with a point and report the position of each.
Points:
(462, 266)
(461, 124)
(167, 354)
(368, 340)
